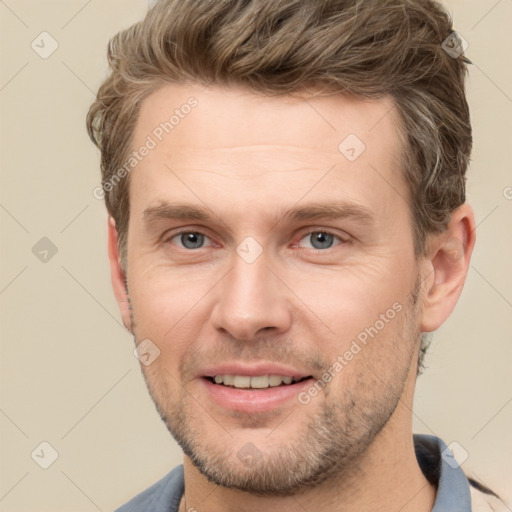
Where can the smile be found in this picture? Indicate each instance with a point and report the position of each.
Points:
(255, 382)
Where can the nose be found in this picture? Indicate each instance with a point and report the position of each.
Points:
(252, 301)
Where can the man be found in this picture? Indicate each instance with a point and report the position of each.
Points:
(287, 220)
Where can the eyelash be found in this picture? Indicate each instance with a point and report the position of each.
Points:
(186, 231)
(341, 240)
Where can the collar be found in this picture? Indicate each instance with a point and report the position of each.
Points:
(441, 469)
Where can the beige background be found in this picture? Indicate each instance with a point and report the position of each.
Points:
(67, 371)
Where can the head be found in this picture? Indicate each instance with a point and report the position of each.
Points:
(299, 209)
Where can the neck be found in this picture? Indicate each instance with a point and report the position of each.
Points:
(386, 477)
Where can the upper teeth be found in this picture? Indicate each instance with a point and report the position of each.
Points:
(261, 381)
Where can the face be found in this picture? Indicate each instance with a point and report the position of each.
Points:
(274, 270)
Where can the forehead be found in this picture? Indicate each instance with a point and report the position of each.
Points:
(255, 147)
(233, 116)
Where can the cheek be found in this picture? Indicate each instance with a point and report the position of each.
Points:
(346, 301)
(170, 307)
(165, 295)
(372, 362)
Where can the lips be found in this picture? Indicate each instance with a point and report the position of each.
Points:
(253, 388)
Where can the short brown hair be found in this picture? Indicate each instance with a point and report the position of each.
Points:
(370, 48)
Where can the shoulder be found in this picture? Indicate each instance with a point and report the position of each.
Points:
(163, 496)
(482, 501)
(455, 490)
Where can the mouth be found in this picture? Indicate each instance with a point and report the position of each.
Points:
(255, 387)
(256, 393)
(255, 381)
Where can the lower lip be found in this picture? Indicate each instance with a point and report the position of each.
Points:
(254, 400)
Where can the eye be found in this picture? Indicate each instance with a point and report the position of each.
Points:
(319, 240)
(189, 239)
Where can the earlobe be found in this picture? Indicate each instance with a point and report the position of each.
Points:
(117, 275)
(448, 260)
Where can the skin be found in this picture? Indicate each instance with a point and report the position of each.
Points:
(246, 159)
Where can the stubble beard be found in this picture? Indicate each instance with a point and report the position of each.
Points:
(330, 445)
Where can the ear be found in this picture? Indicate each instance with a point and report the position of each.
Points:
(117, 275)
(448, 260)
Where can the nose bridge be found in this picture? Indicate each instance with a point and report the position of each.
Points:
(249, 282)
(251, 299)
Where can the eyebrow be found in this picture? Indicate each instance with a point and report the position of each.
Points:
(335, 211)
(168, 211)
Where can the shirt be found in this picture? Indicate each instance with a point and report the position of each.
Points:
(434, 458)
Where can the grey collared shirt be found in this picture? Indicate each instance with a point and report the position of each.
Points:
(434, 459)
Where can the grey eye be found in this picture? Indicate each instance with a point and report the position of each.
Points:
(319, 240)
(191, 240)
